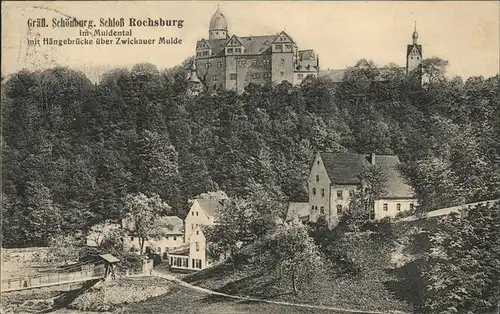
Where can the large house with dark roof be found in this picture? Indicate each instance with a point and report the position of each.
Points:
(232, 62)
(333, 181)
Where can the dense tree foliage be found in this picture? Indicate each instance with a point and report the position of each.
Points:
(73, 150)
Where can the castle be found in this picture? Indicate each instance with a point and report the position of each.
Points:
(231, 62)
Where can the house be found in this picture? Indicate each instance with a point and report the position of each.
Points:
(202, 212)
(333, 182)
(192, 254)
(174, 237)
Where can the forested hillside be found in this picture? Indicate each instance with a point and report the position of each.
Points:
(72, 151)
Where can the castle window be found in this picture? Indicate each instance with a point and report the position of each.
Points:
(288, 46)
(207, 65)
(316, 208)
(312, 207)
(237, 50)
(214, 86)
(256, 75)
(219, 64)
(351, 193)
(232, 76)
(314, 191)
(175, 238)
(385, 207)
(317, 178)
(277, 47)
(265, 62)
(282, 60)
(197, 246)
(229, 50)
(300, 76)
(323, 192)
(205, 53)
(398, 206)
(282, 73)
(267, 75)
(197, 232)
(322, 210)
(242, 62)
(412, 58)
(192, 213)
(215, 78)
(418, 58)
(131, 238)
(196, 213)
(198, 53)
(254, 62)
(339, 194)
(339, 209)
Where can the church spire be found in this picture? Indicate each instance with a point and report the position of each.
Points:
(415, 34)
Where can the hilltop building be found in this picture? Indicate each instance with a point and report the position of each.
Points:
(225, 61)
(333, 182)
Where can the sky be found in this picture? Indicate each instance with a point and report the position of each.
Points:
(464, 33)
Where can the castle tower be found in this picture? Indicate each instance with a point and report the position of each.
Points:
(218, 26)
(194, 84)
(414, 54)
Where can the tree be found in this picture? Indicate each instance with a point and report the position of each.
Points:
(295, 252)
(434, 69)
(463, 263)
(143, 217)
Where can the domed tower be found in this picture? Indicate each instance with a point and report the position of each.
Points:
(218, 26)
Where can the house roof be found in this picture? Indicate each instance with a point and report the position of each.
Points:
(343, 168)
(252, 44)
(209, 206)
(109, 258)
(410, 48)
(181, 250)
(335, 75)
(300, 210)
(175, 224)
(306, 54)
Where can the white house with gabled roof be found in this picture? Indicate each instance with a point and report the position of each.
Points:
(202, 212)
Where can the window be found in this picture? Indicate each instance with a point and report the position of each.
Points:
(192, 226)
(237, 50)
(398, 206)
(254, 62)
(351, 193)
(168, 237)
(322, 210)
(158, 249)
(175, 238)
(198, 263)
(192, 213)
(267, 75)
(196, 213)
(198, 54)
(185, 262)
(385, 207)
(207, 65)
(339, 194)
(171, 260)
(282, 60)
(339, 209)
(314, 191)
(277, 47)
(232, 76)
(316, 208)
(317, 162)
(197, 246)
(282, 73)
(192, 263)
(215, 78)
(256, 75)
(300, 76)
(229, 50)
(242, 62)
(412, 58)
(219, 64)
(197, 232)
(265, 62)
(317, 178)
(288, 46)
(312, 207)
(411, 206)
(418, 58)
(131, 238)
(214, 87)
(323, 192)
(205, 53)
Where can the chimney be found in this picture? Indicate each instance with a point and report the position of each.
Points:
(372, 159)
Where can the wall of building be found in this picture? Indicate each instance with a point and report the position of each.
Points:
(215, 74)
(195, 217)
(346, 191)
(248, 69)
(282, 66)
(392, 207)
(318, 181)
(159, 246)
(197, 248)
(414, 60)
(299, 76)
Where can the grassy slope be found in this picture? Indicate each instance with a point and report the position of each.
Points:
(375, 289)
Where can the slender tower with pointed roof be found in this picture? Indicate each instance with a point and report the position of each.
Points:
(414, 54)
(194, 84)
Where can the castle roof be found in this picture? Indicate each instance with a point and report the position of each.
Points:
(218, 21)
(306, 54)
(410, 48)
(343, 168)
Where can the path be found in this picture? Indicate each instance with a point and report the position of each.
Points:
(313, 308)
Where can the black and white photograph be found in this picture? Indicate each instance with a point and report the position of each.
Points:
(230, 157)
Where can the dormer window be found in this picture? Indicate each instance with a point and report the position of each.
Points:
(229, 50)
(317, 178)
